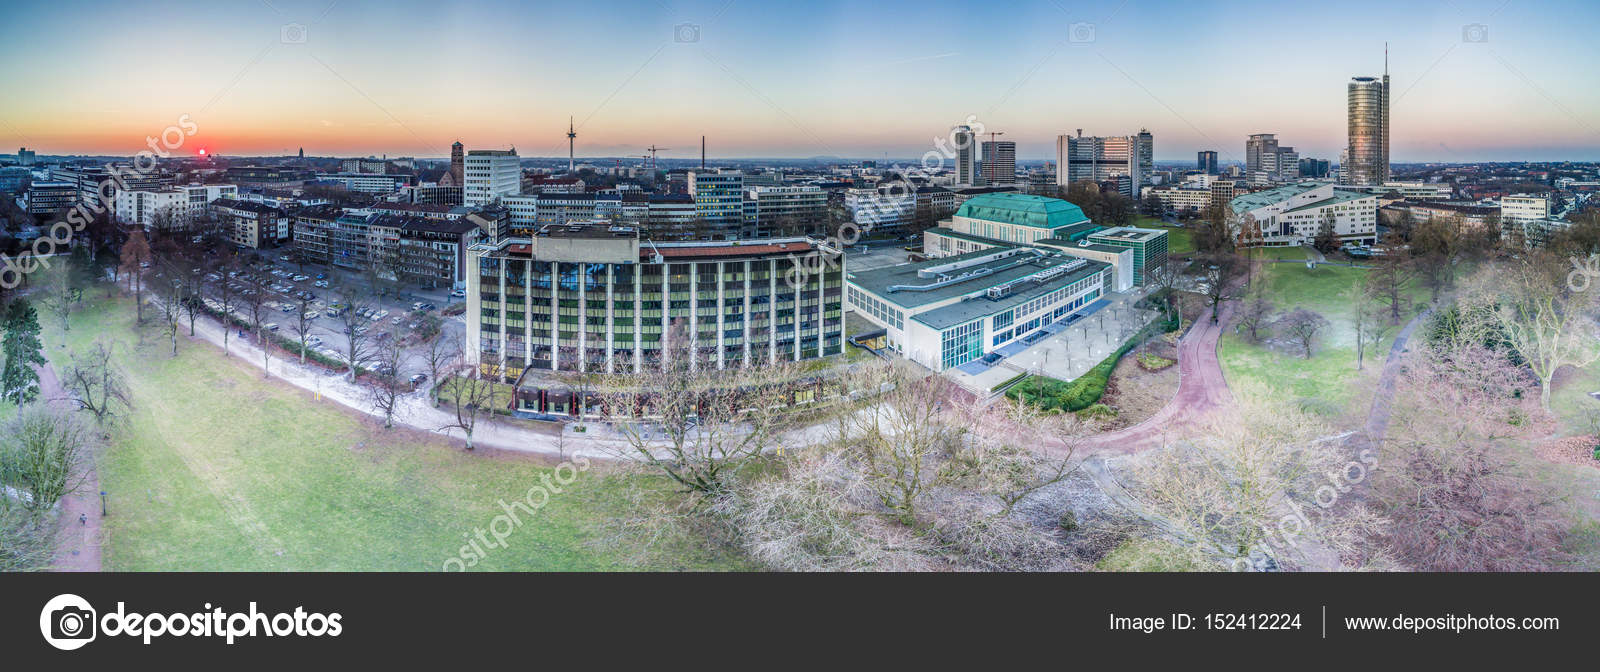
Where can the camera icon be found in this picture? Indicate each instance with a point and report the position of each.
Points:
(685, 33)
(1081, 32)
(1475, 32)
(292, 33)
(67, 622)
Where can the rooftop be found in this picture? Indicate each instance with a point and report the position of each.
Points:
(1338, 197)
(1264, 198)
(1023, 210)
(947, 278)
(1128, 233)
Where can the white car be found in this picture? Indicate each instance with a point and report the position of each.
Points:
(459, 293)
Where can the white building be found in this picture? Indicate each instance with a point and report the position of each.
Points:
(885, 207)
(175, 207)
(1180, 198)
(1525, 208)
(1292, 214)
(489, 175)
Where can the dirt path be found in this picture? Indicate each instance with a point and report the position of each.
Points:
(1201, 390)
(78, 545)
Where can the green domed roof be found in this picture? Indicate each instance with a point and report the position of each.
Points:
(1039, 212)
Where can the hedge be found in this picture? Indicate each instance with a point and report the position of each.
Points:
(1051, 394)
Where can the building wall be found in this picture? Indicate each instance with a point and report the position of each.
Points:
(614, 317)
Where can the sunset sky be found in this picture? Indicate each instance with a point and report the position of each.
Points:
(766, 79)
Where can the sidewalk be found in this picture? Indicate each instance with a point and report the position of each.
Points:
(415, 411)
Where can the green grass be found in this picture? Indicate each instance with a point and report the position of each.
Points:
(1327, 383)
(1570, 401)
(218, 469)
(1147, 555)
(1295, 253)
(1180, 240)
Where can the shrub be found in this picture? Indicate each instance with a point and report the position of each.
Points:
(1098, 411)
(1069, 521)
(1153, 362)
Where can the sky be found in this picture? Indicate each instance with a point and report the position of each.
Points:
(790, 79)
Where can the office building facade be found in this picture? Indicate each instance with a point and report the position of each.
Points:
(1099, 159)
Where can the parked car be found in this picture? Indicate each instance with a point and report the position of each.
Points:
(272, 326)
(322, 276)
(288, 308)
(397, 320)
(418, 378)
(299, 278)
(459, 293)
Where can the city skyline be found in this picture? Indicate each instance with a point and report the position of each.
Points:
(789, 82)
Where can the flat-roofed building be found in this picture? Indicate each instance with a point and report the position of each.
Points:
(595, 297)
(943, 313)
(251, 225)
(1293, 214)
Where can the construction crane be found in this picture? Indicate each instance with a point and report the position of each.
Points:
(653, 149)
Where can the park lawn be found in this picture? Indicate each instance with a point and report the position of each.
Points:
(219, 469)
(1328, 383)
(1180, 240)
(1570, 401)
(1285, 253)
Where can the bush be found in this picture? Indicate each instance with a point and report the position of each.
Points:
(1069, 521)
(1098, 412)
(1153, 362)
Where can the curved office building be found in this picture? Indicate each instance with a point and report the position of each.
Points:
(1367, 156)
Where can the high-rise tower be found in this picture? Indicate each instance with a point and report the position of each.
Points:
(1368, 149)
(572, 137)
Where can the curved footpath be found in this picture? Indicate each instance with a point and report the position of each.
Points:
(78, 543)
(1201, 389)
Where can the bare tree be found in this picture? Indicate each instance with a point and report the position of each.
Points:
(1390, 278)
(56, 292)
(1365, 319)
(172, 300)
(303, 324)
(255, 301)
(1255, 310)
(44, 456)
(1219, 271)
(898, 439)
(472, 394)
(386, 385)
(1303, 326)
(441, 352)
(136, 257)
(96, 384)
(1224, 495)
(709, 421)
(228, 298)
(1549, 327)
(1454, 497)
(359, 344)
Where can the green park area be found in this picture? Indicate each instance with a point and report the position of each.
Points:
(1328, 383)
(220, 469)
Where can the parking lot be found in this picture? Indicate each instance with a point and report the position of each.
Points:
(285, 283)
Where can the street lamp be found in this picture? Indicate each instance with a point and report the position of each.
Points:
(102, 503)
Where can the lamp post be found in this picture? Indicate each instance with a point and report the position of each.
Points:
(102, 503)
